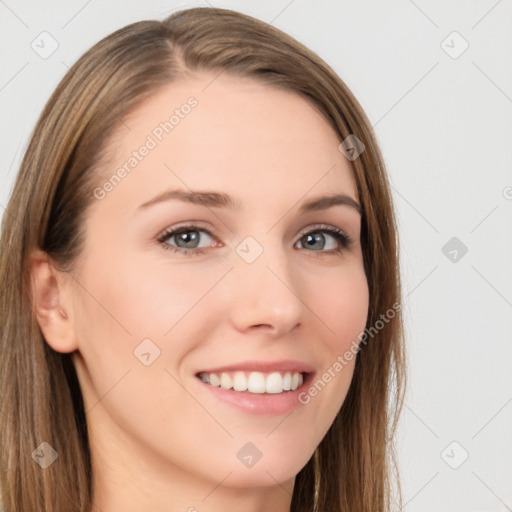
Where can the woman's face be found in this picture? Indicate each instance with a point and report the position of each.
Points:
(261, 282)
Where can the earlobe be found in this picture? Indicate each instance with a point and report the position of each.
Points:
(49, 305)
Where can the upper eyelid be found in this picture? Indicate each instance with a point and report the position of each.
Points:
(322, 227)
(187, 227)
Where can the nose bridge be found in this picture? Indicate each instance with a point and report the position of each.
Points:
(265, 286)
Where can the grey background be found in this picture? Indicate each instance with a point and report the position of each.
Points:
(445, 131)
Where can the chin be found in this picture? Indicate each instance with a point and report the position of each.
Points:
(266, 472)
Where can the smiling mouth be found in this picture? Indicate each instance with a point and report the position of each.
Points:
(255, 382)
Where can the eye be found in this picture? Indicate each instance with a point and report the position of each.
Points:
(315, 239)
(186, 239)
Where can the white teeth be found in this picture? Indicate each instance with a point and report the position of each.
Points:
(214, 379)
(225, 381)
(274, 383)
(287, 381)
(239, 381)
(255, 382)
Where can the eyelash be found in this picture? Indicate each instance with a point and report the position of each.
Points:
(344, 240)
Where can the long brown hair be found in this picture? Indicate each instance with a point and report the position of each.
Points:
(352, 468)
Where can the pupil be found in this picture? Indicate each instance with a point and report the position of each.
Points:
(314, 238)
(188, 238)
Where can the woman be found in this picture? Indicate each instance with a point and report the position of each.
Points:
(144, 371)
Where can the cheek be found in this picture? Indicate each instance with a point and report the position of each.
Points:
(130, 302)
(341, 303)
(144, 299)
(342, 307)
(124, 304)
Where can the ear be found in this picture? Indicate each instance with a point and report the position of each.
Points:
(51, 299)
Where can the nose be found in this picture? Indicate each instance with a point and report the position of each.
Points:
(265, 294)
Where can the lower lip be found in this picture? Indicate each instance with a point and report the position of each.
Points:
(260, 403)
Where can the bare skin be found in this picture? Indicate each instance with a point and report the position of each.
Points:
(160, 440)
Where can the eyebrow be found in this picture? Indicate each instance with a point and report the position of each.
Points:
(220, 200)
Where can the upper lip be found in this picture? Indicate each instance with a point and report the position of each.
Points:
(284, 365)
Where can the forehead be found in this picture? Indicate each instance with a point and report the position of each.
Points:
(218, 131)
